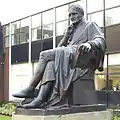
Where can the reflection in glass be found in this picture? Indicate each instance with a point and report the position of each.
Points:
(24, 30)
(47, 17)
(7, 30)
(24, 34)
(62, 13)
(47, 31)
(61, 27)
(115, 78)
(36, 20)
(114, 70)
(7, 41)
(112, 16)
(36, 34)
(95, 5)
(15, 27)
(111, 3)
(96, 17)
(15, 39)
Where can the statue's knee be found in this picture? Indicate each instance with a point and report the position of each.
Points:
(41, 54)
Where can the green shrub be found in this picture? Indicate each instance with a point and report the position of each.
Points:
(7, 108)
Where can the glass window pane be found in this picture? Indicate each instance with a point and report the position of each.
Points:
(111, 3)
(62, 13)
(24, 30)
(114, 70)
(113, 38)
(61, 28)
(6, 41)
(15, 27)
(115, 78)
(114, 59)
(112, 16)
(36, 34)
(15, 39)
(47, 17)
(82, 3)
(96, 17)
(36, 20)
(47, 31)
(95, 5)
(7, 30)
(25, 22)
(24, 35)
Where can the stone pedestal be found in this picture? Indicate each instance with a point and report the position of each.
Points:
(82, 112)
(97, 115)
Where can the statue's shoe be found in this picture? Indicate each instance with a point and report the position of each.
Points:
(34, 104)
(26, 93)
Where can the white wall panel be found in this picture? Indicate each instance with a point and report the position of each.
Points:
(20, 77)
(114, 59)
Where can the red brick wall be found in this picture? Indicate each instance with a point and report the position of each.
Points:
(1, 81)
(6, 75)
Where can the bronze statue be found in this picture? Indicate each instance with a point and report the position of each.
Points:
(78, 55)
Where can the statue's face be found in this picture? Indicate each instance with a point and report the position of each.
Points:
(75, 16)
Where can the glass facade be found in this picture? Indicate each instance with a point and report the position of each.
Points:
(112, 16)
(36, 28)
(61, 27)
(97, 17)
(20, 31)
(62, 13)
(47, 24)
(112, 3)
(53, 23)
(61, 20)
(95, 5)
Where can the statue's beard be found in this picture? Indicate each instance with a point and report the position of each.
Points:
(77, 21)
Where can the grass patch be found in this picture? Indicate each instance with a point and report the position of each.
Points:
(116, 118)
(2, 117)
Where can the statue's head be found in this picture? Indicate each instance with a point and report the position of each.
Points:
(76, 13)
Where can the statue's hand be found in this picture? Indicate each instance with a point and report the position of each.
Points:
(84, 48)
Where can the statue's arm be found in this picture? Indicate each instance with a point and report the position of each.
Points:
(95, 37)
(64, 40)
(97, 42)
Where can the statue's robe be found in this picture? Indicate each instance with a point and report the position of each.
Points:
(64, 69)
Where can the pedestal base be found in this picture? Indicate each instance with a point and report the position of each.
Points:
(57, 110)
(98, 115)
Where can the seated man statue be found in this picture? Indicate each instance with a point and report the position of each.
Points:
(78, 55)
